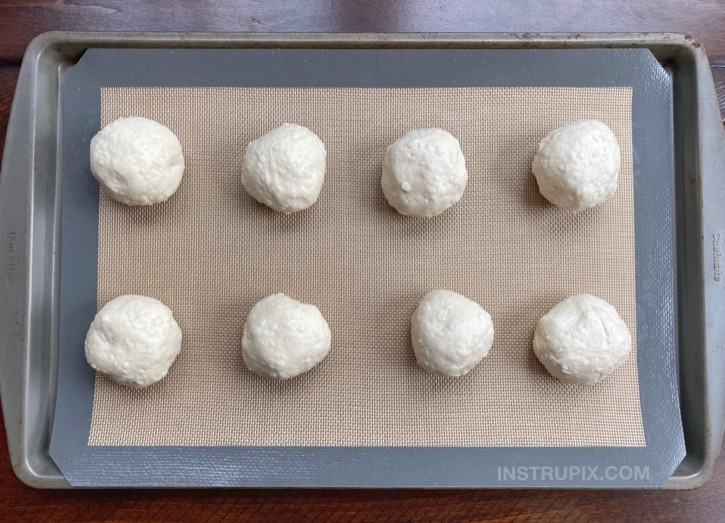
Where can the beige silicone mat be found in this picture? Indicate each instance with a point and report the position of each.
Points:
(211, 252)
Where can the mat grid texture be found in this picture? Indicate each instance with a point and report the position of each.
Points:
(211, 252)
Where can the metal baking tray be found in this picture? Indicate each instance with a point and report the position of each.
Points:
(30, 228)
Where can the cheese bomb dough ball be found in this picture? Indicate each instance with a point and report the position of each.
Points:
(134, 340)
(577, 166)
(424, 173)
(450, 333)
(137, 161)
(285, 168)
(582, 340)
(284, 337)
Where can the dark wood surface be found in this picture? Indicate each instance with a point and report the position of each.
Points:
(21, 20)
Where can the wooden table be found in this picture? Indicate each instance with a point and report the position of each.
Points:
(21, 20)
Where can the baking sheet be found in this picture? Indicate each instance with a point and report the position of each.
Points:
(408, 472)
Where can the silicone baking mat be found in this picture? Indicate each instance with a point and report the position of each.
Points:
(211, 252)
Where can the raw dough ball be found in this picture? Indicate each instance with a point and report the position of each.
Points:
(577, 166)
(134, 340)
(283, 337)
(285, 168)
(450, 333)
(424, 172)
(582, 340)
(137, 161)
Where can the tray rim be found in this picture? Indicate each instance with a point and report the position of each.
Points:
(50, 52)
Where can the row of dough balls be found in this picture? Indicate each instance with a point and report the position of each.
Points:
(140, 162)
(135, 339)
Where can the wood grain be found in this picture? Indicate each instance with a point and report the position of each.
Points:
(8, 78)
(21, 20)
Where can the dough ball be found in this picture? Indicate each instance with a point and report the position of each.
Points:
(450, 333)
(577, 166)
(582, 340)
(424, 173)
(285, 168)
(134, 340)
(137, 161)
(283, 337)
